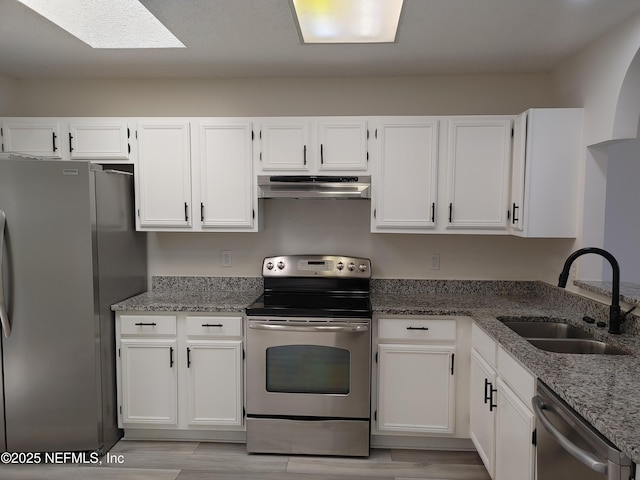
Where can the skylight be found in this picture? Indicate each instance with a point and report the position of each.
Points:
(348, 21)
(107, 23)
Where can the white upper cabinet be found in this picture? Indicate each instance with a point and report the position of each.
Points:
(39, 137)
(544, 184)
(164, 174)
(226, 174)
(343, 144)
(99, 139)
(102, 140)
(196, 175)
(284, 144)
(478, 167)
(406, 174)
(311, 145)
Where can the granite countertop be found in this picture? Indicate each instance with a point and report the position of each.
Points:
(602, 388)
(187, 301)
(195, 294)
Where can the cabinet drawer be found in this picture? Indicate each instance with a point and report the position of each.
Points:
(420, 329)
(213, 326)
(484, 344)
(148, 325)
(516, 376)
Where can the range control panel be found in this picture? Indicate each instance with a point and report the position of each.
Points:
(316, 265)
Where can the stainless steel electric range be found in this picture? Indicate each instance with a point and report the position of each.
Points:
(309, 357)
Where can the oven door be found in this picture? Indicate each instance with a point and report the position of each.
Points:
(308, 368)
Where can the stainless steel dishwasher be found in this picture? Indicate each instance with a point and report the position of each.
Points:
(569, 448)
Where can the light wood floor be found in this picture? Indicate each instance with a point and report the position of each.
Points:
(223, 461)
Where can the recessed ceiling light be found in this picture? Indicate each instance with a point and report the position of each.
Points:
(348, 21)
(107, 23)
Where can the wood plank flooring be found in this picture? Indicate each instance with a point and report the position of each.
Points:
(150, 460)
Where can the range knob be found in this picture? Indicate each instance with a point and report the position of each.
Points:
(269, 265)
(340, 266)
(362, 267)
(351, 266)
(280, 264)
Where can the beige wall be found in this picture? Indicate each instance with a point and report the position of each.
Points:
(318, 226)
(8, 94)
(342, 227)
(434, 95)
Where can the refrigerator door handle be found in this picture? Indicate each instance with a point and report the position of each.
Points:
(4, 315)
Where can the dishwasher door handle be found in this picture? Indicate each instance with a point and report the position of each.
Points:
(585, 457)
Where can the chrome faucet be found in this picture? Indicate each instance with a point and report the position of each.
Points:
(615, 318)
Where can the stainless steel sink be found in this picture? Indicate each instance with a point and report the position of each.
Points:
(546, 330)
(557, 336)
(575, 345)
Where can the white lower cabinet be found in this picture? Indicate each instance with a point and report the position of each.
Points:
(502, 424)
(515, 425)
(215, 394)
(483, 410)
(179, 371)
(149, 381)
(424, 375)
(418, 376)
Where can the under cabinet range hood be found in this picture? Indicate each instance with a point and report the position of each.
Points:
(314, 186)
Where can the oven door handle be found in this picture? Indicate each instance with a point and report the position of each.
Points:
(338, 328)
(585, 457)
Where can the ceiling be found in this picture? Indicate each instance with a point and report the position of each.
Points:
(259, 38)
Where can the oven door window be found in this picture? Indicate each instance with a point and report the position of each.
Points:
(308, 369)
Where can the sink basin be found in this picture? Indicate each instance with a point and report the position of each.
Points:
(555, 335)
(575, 345)
(546, 330)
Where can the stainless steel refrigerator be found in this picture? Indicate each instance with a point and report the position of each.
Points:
(69, 250)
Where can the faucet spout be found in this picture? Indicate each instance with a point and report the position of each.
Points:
(615, 318)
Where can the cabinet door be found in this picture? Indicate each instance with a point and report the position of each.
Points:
(518, 168)
(343, 144)
(478, 160)
(226, 175)
(547, 159)
(39, 137)
(515, 452)
(285, 144)
(164, 174)
(149, 382)
(99, 140)
(405, 190)
(416, 388)
(482, 410)
(214, 382)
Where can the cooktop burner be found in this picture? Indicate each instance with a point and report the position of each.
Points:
(311, 305)
(314, 286)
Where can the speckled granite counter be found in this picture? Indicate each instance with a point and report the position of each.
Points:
(604, 389)
(195, 294)
(629, 292)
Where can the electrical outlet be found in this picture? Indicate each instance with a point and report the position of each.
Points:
(434, 261)
(225, 258)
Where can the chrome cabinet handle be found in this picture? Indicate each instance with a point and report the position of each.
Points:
(585, 457)
(348, 328)
(4, 315)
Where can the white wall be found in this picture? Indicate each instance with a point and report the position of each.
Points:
(622, 225)
(603, 78)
